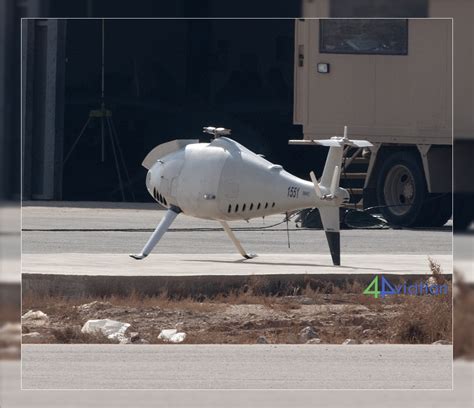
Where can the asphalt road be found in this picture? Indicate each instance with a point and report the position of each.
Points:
(237, 367)
(115, 229)
(12, 397)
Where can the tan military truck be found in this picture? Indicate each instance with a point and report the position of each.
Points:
(390, 81)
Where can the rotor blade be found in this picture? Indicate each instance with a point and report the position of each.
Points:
(335, 180)
(325, 142)
(315, 184)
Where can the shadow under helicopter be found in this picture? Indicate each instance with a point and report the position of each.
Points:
(251, 262)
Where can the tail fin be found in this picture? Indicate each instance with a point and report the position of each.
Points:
(333, 160)
(330, 220)
(330, 180)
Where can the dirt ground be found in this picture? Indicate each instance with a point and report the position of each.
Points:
(245, 318)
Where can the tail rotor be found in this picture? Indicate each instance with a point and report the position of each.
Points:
(335, 181)
(316, 185)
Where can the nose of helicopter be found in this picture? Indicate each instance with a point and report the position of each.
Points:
(153, 178)
(148, 182)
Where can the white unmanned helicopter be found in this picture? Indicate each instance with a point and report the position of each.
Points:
(224, 181)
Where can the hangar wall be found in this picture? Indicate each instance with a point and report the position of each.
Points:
(6, 108)
(43, 75)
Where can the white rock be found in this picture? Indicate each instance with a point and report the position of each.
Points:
(166, 334)
(10, 333)
(308, 333)
(10, 328)
(441, 343)
(172, 335)
(31, 335)
(112, 329)
(350, 341)
(314, 341)
(35, 318)
(178, 337)
(95, 305)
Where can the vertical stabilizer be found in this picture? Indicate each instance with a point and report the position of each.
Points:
(330, 220)
(334, 159)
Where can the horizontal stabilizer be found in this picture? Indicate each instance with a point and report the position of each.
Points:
(336, 141)
(164, 149)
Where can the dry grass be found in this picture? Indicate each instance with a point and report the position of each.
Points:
(337, 310)
(463, 320)
(234, 335)
(424, 319)
(436, 272)
(68, 307)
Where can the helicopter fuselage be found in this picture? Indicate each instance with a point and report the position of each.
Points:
(223, 180)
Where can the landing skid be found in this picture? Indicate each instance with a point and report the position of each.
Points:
(138, 256)
(250, 256)
(236, 242)
(160, 230)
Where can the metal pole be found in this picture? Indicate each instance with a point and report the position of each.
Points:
(114, 131)
(102, 157)
(102, 94)
(117, 166)
(103, 61)
(287, 230)
(76, 141)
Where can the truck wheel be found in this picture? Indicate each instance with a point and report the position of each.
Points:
(442, 210)
(463, 212)
(401, 189)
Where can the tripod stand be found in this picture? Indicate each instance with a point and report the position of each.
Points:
(106, 123)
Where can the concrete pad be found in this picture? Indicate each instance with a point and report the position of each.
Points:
(228, 264)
